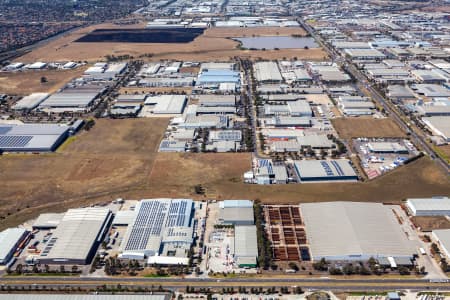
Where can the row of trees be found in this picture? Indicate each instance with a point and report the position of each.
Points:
(264, 246)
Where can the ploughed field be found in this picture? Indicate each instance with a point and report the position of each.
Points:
(172, 35)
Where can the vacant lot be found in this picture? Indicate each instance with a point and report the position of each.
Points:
(348, 128)
(115, 156)
(220, 176)
(214, 44)
(24, 83)
(431, 223)
(118, 158)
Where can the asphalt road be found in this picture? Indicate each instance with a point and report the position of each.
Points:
(181, 283)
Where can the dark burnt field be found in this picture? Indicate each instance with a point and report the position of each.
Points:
(169, 35)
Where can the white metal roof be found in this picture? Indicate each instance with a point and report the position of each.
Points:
(8, 239)
(30, 101)
(441, 203)
(267, 71)
(245, 242)
(345, 229)
(75, 235)
(169, 104)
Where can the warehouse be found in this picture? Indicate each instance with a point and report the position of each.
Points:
(167, 104)
(223, 146)
(167, 82)
(48, 221)
(161, 227)
(300, 108)
(387, 147)
(9, 241)
(78, 99)
(217, 100)
(245, 246)
(206, 121)
(325, 170)
(77, 236)
(442, 237)
(439, 126)
(225, 135)
(236, 212)
(282, 97)
(435, 108)
(212, 78)
(32, 137)
(364, 54)
(172, 146)
(30, 102)
(280, 173)
(267, 72)
(436, 206)
(351, 45)
(354, 231)
(431, 90)
(284, 121)
(216, 110)
(330, 73)
(400, 92)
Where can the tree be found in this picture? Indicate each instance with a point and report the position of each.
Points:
(74, 269)
(44, 79)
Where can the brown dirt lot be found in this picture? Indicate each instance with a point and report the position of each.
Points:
(24, 83)
(118, 158)
(115, 155)
(431, 223)
(348, 128)
(213, 45)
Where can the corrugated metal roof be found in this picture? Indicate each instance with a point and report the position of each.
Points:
(76, 234)
(245, 242)
(345, 229)
(8, 239)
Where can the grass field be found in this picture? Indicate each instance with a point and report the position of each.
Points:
(24, 83)
(431, 223)
(118, 158)
(213, 45)
(348, 128)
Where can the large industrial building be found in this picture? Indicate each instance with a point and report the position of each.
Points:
(354, 231)
(74, 99)
(161, 228)
(236, 212)
(77, 236)
(325, 170)
(245, 246)
(9, 240)
(439, 125)
(438, 206)
(267, 72)
(30, 102)
(442, 237)
(167, 104)
(32, 137)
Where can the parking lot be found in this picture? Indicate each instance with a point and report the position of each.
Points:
(377, 163)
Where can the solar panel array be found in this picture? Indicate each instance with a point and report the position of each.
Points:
(12, 141)
(154, 216)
